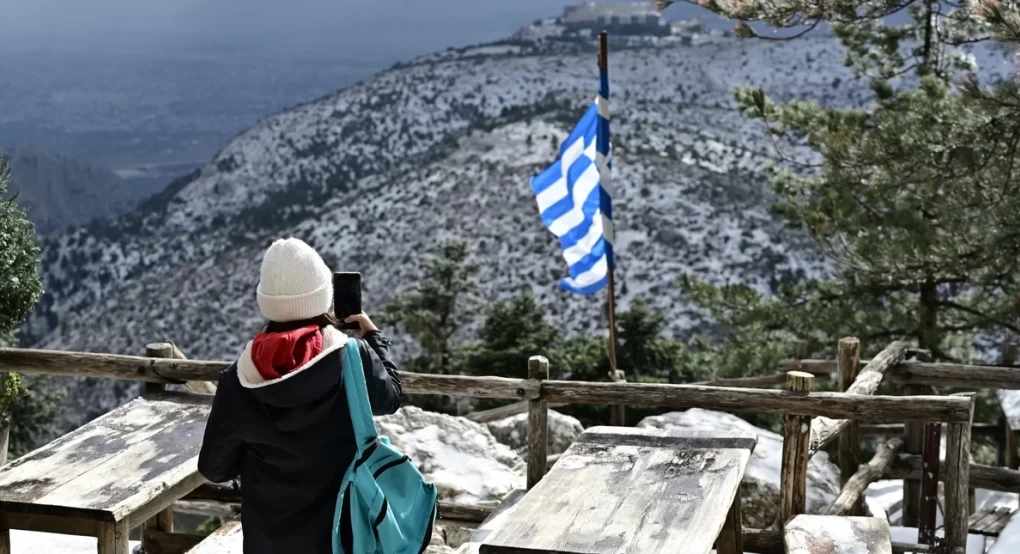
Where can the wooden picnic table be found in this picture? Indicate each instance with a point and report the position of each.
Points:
(634, 491)
(119, 471)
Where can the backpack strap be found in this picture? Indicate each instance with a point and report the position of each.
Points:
(356, 391)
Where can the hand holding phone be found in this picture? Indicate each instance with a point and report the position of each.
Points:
(362, 323)
(347, 297)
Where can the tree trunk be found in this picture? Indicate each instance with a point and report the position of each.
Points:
(928, 327)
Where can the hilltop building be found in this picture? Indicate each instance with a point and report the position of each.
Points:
(636, 18)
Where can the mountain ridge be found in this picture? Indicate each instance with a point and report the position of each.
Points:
(60, 192)
(380, 172)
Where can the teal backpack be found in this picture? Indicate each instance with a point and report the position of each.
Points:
(385, 505)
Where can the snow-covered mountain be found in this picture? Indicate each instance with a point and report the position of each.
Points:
(444, 146)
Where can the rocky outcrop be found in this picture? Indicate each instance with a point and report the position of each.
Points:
(60, 192)
(461, 457)
(760, 488)
(513, 432)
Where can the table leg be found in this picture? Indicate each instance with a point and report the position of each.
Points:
(731, 539)
(163, 521)
(5, 541)
(113, 538)
(1012, 455)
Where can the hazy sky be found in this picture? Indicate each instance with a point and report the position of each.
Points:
(365, 28)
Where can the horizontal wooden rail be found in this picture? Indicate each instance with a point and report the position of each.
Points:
(824, 404)
(155, 370)
(115, 366)
(981, 476)
(502, 412)
(231, 494)
(755, 382)
(993, 430)
(923, 373)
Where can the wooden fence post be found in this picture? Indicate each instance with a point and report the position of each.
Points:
(158, 350)
(913, 443)
(538, 422)
(163, 521)
(928, 500)
(617, 412)
(796, 444)
(957, 509)
(850, 439)
(801, 350)
(1011, 456)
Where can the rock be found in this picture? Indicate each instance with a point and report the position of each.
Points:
(513, 432)
(760, 487)
(461, 457)
(456, 533)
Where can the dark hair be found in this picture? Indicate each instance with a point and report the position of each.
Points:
(325, 320)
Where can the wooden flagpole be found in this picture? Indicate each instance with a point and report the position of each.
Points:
(617, 413)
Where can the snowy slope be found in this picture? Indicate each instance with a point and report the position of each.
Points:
(442, 147)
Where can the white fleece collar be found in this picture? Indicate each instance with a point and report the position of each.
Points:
(250, 378)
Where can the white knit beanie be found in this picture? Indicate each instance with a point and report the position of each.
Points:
(295, 283)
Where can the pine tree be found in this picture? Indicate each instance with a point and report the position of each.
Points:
(30, 415)
(914, 197)
(438, 307)
(20, 286)
(511, 333)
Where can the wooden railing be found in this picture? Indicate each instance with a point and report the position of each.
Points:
(921, 441)
(813, 418)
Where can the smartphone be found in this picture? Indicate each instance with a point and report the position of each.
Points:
(347, 297)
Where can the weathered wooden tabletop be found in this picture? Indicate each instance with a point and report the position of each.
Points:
(629, 490)
(228, 539)
(127, 464)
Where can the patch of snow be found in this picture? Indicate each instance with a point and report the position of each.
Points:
(1008, 542)
(30, 542)
(461, 457)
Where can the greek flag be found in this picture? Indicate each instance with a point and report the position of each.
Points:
(575, 198)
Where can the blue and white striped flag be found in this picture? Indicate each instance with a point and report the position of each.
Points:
(575, 198)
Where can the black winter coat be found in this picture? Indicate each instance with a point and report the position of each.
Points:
(290, 440)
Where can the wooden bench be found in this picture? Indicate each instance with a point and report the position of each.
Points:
(229, 539)
(121, 470)
(806, 534)
(990, 521)
(632, 490)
